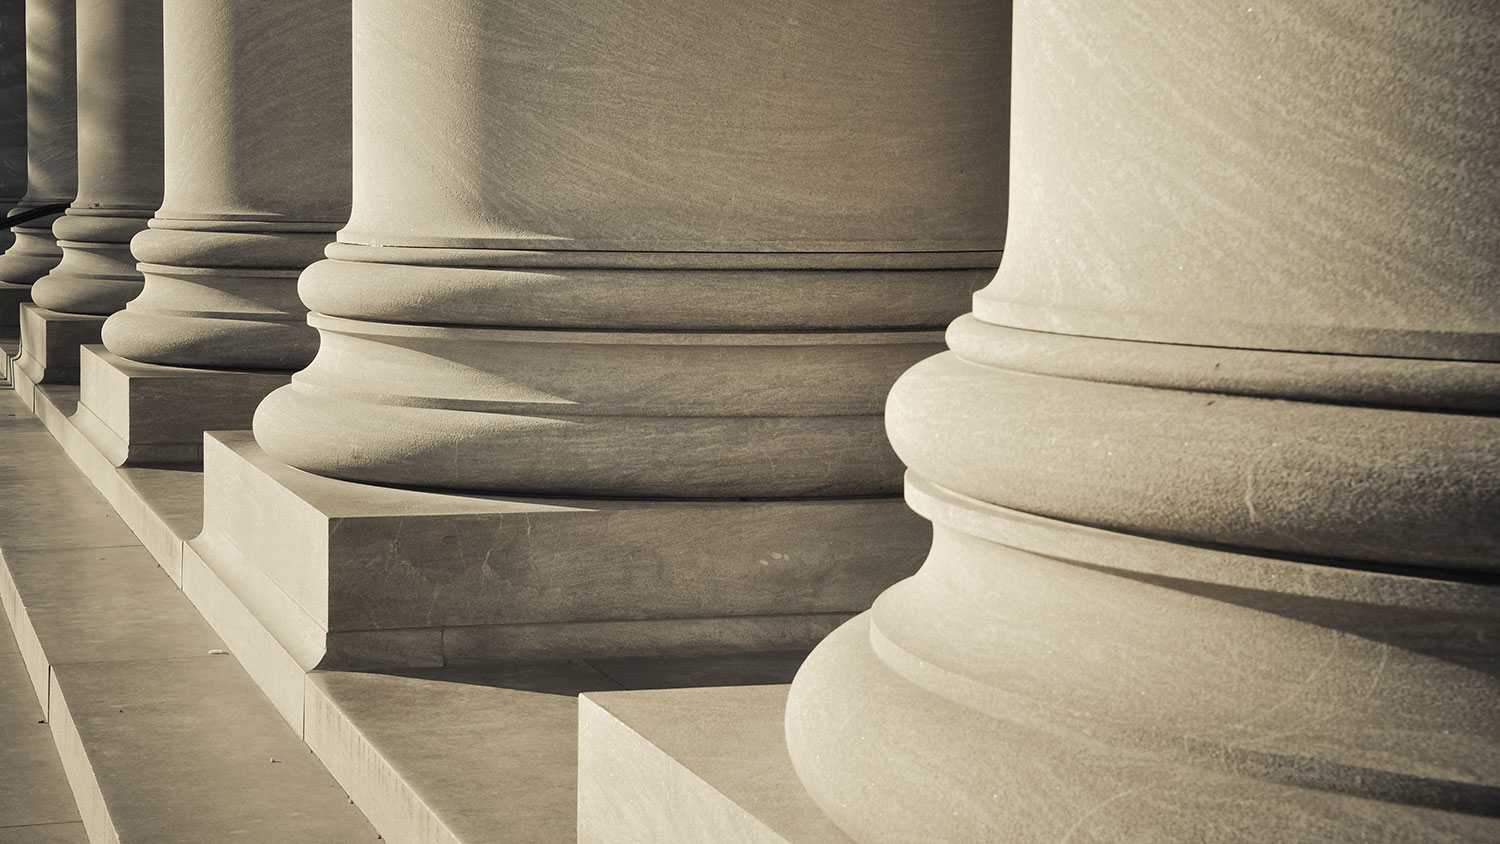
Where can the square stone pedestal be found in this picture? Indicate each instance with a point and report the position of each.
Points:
(141, 413)
(692, 766)
(49, 347)
(354, 575)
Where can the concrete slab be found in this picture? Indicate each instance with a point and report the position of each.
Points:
(692, 766)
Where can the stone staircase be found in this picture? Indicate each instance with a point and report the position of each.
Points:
(167, 737)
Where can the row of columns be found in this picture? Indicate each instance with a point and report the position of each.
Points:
(209, 174)
(1212, 464)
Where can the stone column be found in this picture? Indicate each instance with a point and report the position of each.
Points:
(1214, 465)
(257, 181)
(12, 117)
(119, 185)
(51, 148)
(656, 266)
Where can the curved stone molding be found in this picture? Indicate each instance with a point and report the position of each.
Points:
(119, 158)
(638, 414)
(51, 138)
(257, 181)
(1112, 687)
(1213, 467)
(12, 112)
(655, 259)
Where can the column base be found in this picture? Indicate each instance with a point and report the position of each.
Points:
(692, 766)
(49, 345)
(347, 575)
(12, 296)
(141, 413)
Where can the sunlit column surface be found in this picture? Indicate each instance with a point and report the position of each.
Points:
(601, 252)
(51, 136)
(1214, 465)
(119, 158)
(257, 180)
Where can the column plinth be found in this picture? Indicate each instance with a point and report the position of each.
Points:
(51, 143)
(256, 180)
(1212, 466)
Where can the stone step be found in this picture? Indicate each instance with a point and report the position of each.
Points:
(692, 766)
(36, 805)
(478, 754)
(484, 754)
(163, 736)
